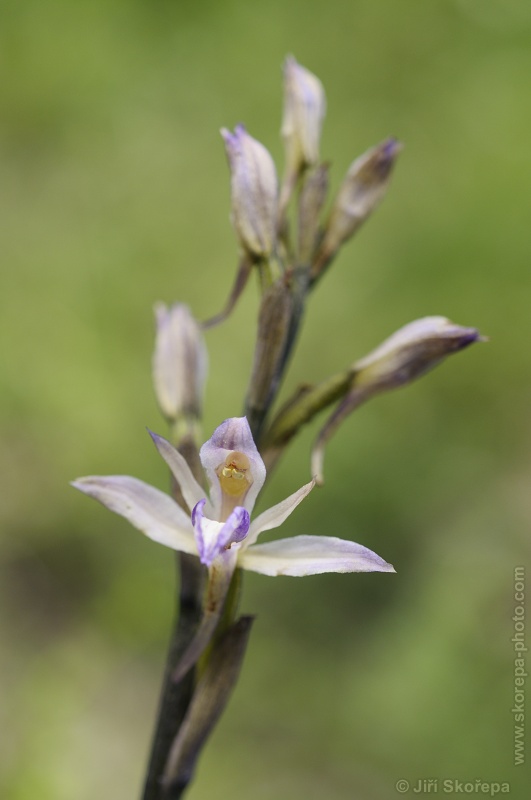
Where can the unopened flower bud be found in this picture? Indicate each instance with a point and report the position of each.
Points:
(403, 357)
(179, 362)
(363, 188)
(254, 190)
(304, 111)
(411, 351)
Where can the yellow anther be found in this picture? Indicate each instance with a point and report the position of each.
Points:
(232, 474)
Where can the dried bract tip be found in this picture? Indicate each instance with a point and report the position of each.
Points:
(254, 191)
(363, 188)
(179, 362)
(411, 351)
(304, 111)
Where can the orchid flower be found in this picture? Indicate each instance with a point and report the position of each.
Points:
(219, 530)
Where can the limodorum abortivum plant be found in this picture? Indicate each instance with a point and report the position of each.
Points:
(289, 240)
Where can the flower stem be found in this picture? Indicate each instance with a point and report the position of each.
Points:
(175, 697)
(214, 689)
(280, 317)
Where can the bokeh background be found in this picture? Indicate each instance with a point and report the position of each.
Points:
(114, 194)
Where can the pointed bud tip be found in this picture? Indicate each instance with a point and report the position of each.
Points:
(468, 337)
(83, 485)
(383, 158)
(233, 137)
(290, 60)
(392, 147)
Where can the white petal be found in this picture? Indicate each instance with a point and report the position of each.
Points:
(192, 491)
(151, 511)
(275, 516)
(311, 555)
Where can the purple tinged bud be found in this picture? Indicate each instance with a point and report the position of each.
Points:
(179, 362)
(254, 192)
(411, 351)
(363, 188)
(406, 355)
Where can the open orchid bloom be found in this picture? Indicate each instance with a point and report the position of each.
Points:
(219, 530)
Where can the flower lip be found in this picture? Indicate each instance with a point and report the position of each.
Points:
(212, 537)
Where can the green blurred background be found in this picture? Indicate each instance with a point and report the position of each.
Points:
(114, 194)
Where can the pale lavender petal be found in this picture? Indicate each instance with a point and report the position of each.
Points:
(151, 511)
(212, 537)
(232, 435)
(311, 555)
(276, 515)
(191, 490)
